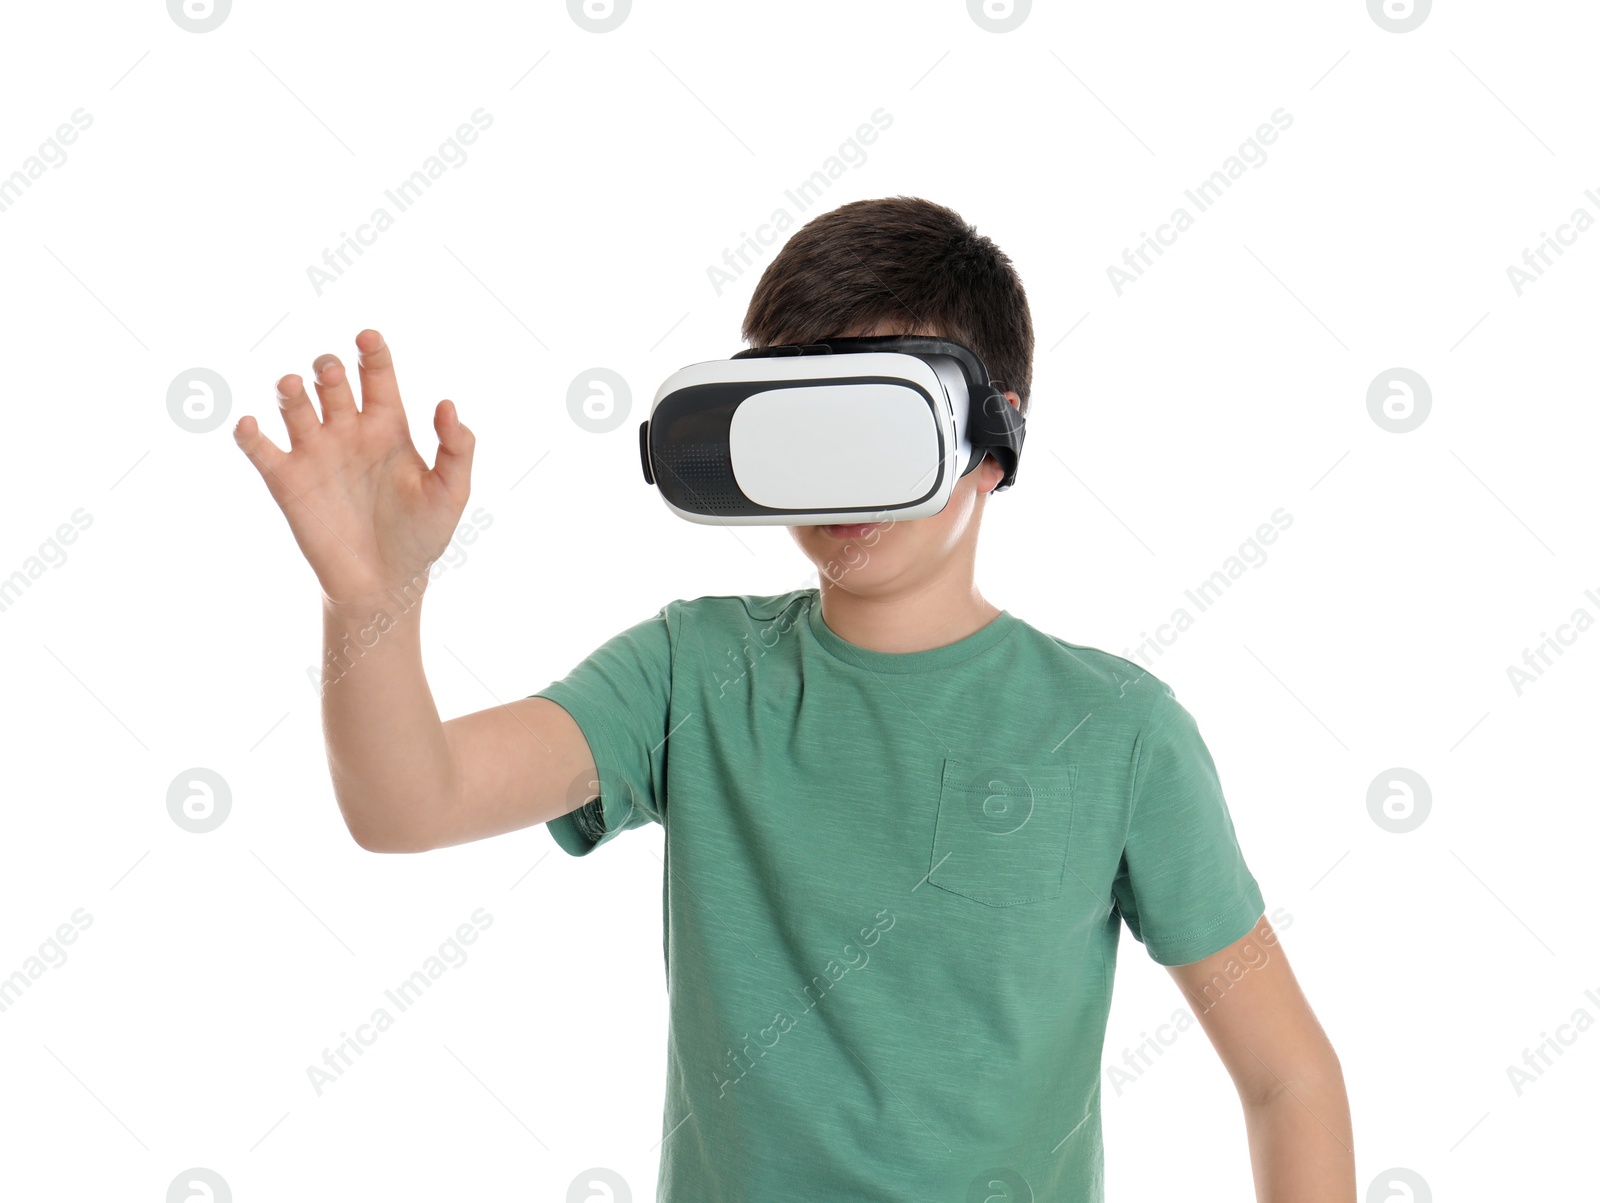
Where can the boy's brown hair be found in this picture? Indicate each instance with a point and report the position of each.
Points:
(900, 259)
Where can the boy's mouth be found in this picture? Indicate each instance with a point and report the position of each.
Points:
(854, 530)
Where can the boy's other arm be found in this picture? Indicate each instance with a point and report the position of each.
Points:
(1297, 1114)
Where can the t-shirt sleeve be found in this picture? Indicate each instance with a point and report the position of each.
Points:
(620, 697)
(1183, 887)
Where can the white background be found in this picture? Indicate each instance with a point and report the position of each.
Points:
(1168, 422)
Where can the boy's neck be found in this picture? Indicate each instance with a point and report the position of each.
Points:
(926, 616)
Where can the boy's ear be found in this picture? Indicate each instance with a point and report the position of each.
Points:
(993, 472)
(991, 466)
(990, 474)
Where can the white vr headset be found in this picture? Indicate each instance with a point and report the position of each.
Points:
(841, 431)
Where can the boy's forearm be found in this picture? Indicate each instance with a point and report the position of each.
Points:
(388, 755)
(1301, 1147)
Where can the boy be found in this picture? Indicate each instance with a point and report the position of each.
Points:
(903, 826)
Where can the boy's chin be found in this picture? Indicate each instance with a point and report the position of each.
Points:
(855, 567)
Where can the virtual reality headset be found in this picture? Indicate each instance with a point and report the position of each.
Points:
(843, 431)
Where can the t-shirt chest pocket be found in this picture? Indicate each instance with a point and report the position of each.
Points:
(1002, 830)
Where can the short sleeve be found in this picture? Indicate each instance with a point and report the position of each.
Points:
(620, 697)
(1183, 887)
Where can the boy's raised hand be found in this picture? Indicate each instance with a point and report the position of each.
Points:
(364, 507)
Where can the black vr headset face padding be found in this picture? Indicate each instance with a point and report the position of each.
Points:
(844, 430)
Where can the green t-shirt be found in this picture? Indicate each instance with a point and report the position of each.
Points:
(894, 888)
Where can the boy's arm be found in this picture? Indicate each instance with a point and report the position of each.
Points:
(1289, 1080)
(371, 518)
(407, 782)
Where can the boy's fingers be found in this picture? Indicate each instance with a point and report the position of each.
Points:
(333, 388)
(299, 415)
(453, 464)
(379, 390)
